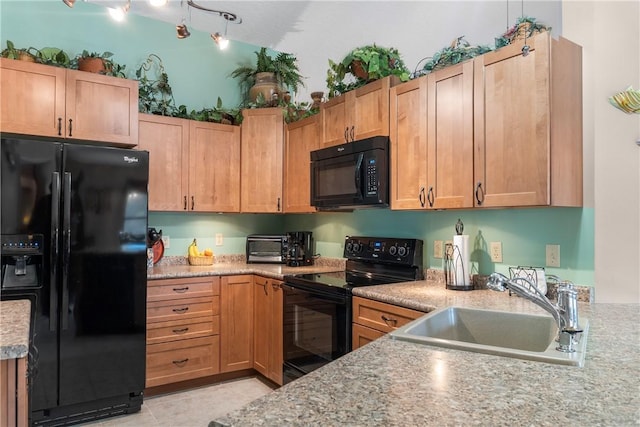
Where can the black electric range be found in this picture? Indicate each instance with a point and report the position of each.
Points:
(317, 308)
(370, 261)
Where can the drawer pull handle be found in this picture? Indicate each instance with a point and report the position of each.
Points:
(181, 290)
(180, 331)
(181, 310)
(388, 320)
(180, 362)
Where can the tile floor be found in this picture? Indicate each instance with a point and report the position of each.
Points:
(193, 408)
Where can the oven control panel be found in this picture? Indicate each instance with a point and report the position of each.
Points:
(384, 249)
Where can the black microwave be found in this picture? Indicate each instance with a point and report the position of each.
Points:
(352, 175)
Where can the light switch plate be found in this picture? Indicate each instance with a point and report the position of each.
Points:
(219, 239)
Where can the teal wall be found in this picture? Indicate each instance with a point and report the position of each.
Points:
(198, 73)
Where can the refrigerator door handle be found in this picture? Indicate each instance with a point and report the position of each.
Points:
(54, 250)
(66, 249)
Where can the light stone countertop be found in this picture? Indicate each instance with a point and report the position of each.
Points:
(15, 318)
(396, 383)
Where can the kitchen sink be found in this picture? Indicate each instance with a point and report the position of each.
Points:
(502, 333)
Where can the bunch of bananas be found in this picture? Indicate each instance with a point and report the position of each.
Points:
(194, 251)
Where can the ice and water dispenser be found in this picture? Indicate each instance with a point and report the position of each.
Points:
(22, 258)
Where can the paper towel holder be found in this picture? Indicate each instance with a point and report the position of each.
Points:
(453, 259)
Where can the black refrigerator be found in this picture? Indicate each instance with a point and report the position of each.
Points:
(73, 230)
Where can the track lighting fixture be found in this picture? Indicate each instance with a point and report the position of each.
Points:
(182, 32)
(119, 13)
(220, 40)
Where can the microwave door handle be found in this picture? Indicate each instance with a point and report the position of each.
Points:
(358, 175)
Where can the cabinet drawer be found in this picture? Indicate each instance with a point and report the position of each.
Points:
(182, 360)
(363, 335)
(381, 316)
(173, 330)
(159, 290)
(189, 308)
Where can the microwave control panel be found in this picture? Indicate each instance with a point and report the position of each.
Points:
(371, 174)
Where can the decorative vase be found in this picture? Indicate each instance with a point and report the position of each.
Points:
(267, 85)
(92, 65)
(317, 99)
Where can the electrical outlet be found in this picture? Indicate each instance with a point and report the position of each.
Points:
(496, 251)
(437, 249)
(219, 239)
(553, 256)
(166, 241)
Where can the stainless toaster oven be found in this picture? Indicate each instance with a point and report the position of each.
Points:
(267, 248)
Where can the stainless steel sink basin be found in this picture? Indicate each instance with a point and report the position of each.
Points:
(523, 336)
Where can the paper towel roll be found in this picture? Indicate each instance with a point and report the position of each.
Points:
(461, 260)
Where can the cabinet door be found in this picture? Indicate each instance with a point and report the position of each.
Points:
(101, 108)
(214, 167)
(369, 111)
(363, 335)
(450, 137)
(335, 129)
(262, 160)
(167, 141)
(511, 125)
(261, 324)
(408, 111)
(302, 138)
(236, 323)
(32, 98)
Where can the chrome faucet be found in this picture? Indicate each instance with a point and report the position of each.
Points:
(565, 312)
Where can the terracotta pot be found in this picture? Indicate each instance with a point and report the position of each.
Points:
(26, 56)
(267, 85)
(358, 70)
(92, 65)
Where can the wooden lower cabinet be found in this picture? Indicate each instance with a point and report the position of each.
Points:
(373, 319)
(183, 329)
(13, 393)
(267, 324)
(236, 323)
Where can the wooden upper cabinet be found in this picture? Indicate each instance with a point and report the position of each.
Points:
(193, 166)
(167, 141)
(357, 114)
(432, 140)
(102, 108)
(32, 98)
(408, 138)
(214, 167)
(262, 160)
(528, 125)
(56, 102)
(302, 137)
(450, 137)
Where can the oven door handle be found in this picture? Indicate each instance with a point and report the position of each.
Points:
(314, 294)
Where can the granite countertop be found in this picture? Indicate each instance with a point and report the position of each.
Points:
(274, 271)
(14, 328)
(396, 383)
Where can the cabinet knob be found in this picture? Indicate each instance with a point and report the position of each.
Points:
(193, 203)
(346, 134)
(352, 133)
(70, 126)
(185, 203)
(59, 126)
(421, 197)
